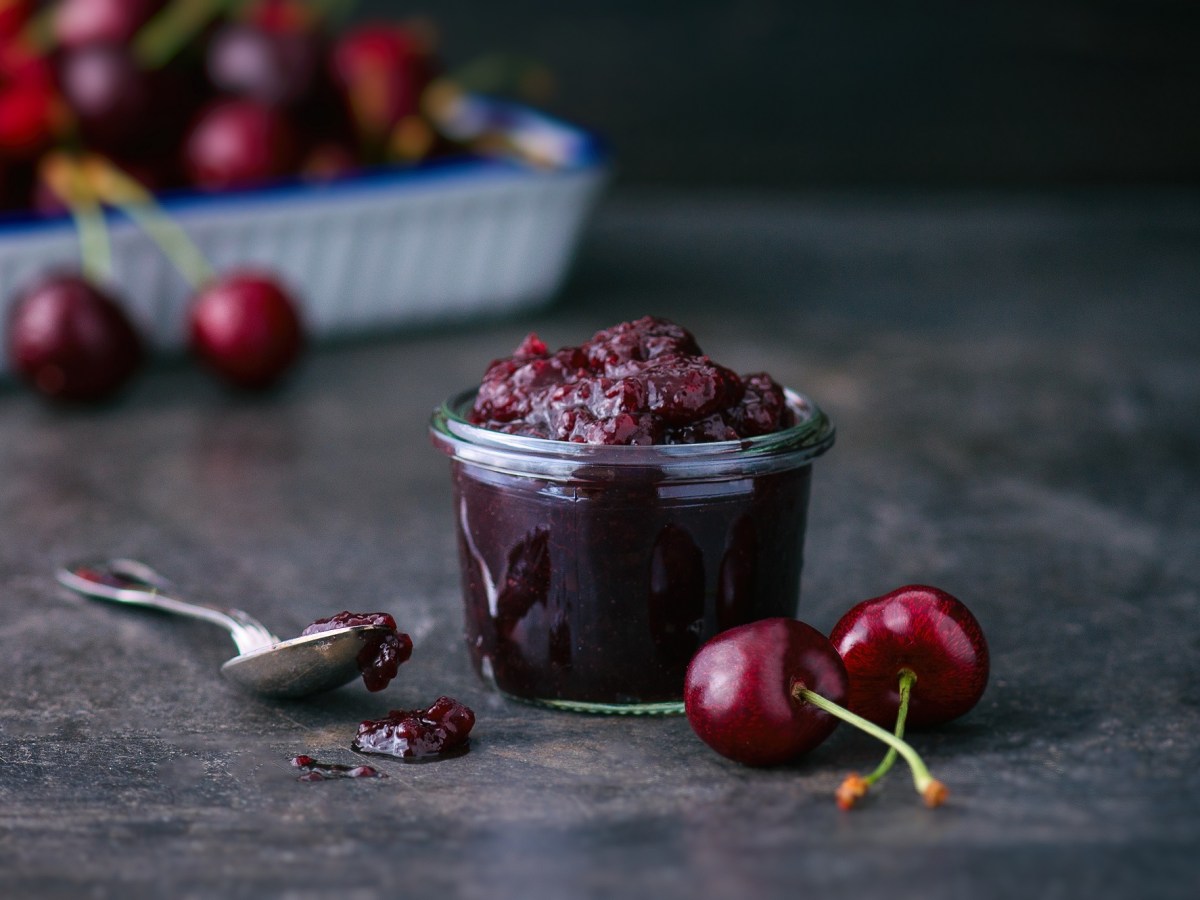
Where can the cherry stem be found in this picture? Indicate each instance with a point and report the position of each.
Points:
(907, 679)
(932, 790)
(65, 178)
(119, 190)
(165, 35)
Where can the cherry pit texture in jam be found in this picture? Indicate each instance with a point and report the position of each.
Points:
(382, 653)
(592, 586)
(642, 382)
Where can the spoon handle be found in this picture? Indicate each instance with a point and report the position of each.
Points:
(135, 583)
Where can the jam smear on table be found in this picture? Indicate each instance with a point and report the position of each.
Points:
(418, 734)
(381, 655)
(641, 382)
(312, 770)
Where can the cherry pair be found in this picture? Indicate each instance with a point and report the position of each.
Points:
(71, 340)
(766, 692)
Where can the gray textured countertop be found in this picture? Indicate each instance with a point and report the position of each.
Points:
(1016, 384)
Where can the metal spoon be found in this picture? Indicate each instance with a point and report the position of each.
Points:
(264, 664)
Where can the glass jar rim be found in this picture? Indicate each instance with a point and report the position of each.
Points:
(513, 454)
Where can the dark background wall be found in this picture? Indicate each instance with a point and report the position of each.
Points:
(925, 92)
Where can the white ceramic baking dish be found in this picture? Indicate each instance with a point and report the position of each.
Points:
(447, 240)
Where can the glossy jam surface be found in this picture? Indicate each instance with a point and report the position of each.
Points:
(416, 734)
(381, 655)
(312, 770)
(639, 383)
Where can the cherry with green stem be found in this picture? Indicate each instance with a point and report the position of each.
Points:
(855, 786)
(244, 325)
(766, 692)
(917, 657)
(68, 336)
(124, 192)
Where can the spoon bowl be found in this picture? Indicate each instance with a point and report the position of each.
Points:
(298, 667)
(304, 665)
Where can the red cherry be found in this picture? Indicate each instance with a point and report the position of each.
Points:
(14, 14)
(111, 95)
(237, 143)
(281, 15)
(79, 22)
(766, 692)
(71, 341)
(382, 69)
(29, 117)
(19, 60)
(281, 64)
(920, 629)
(246, 328)
(279, 67)
(915, 655)
(739, 691)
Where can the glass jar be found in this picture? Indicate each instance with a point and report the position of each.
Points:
(592, 574)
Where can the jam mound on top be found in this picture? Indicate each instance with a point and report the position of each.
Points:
(641, 382)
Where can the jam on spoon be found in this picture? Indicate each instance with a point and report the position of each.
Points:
(382, 653)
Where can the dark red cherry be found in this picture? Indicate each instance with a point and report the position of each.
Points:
(382, 70)
(30, 116)
(282, 15)
(238, 143)
(275, 66)
(80, 22)
(740, 691)
(110, 94)
(920, 629)
(71, 341)
(766, 692)
(14, 14)
(246, 328)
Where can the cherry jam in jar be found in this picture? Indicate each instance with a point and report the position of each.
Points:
(593, 571)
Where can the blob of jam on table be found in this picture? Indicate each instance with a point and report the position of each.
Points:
(312, 770)
(441, 730)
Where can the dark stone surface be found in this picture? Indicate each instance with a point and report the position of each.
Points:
(1016, 384)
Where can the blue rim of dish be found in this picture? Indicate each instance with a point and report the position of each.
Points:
(512, 454)
(587, 152)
